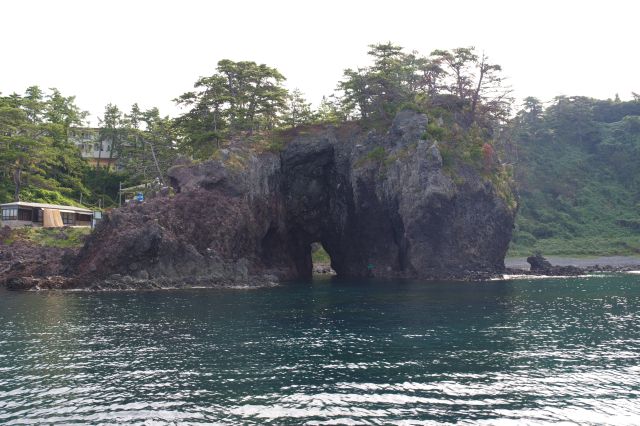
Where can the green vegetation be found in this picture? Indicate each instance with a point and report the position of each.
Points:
(240, 96)
(50, 237)
(35, 152)
(459, 89)
(576, 162)
(40, 163)
(144, 143)
(377, 154)
(247, 99)
(457, 84)
(434, 131)
(320, 255)
(577, 166)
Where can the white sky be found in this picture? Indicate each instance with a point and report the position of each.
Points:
(152, 51)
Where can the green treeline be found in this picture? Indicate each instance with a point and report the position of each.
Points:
(245, 97)
(577, 165)
(40, 163)
(36, 159)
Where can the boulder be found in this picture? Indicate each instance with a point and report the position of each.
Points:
(538, 263)
(541, 266)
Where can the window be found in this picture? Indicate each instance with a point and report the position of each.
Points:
(10, 213)
(67, 218)
(24, 214)
(83, 217)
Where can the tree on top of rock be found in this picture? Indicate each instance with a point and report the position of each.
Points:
(460, 81)
(477, 85)
(376, 92)
(239, 96)
(297, 110)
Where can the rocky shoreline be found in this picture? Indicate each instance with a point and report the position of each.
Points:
(129, 283)
(117, 282)
(25, 267)
(573, 271)
(540, 266)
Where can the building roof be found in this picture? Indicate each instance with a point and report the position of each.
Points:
(72, 209)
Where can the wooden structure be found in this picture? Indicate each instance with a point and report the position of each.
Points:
(18, 214)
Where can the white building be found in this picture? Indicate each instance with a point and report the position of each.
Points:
(92, 149)
(19, 214)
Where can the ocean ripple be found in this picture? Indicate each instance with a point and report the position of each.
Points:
(402, 353)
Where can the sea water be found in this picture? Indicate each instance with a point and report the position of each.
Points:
(327, 352)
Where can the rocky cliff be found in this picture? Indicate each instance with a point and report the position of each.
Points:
(381, 203)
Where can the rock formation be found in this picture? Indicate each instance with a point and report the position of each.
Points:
(25, 265)
(539, 265)
(381, 203)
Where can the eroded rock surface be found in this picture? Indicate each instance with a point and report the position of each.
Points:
(25, 265)
(381, 203)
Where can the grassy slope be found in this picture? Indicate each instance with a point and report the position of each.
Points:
(573, 197)
(50, 237)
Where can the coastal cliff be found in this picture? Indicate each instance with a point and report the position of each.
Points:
(383, 203)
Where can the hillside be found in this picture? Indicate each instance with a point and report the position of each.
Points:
(577, 168)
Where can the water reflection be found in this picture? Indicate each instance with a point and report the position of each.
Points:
(326, 352)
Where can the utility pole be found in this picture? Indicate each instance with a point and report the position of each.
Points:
(120, 195)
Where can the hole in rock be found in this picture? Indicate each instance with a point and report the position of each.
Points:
(321, 260)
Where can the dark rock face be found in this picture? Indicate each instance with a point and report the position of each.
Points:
(539, 265)
(381, 204)
(25, 265)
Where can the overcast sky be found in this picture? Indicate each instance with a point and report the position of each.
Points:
(152, 51)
